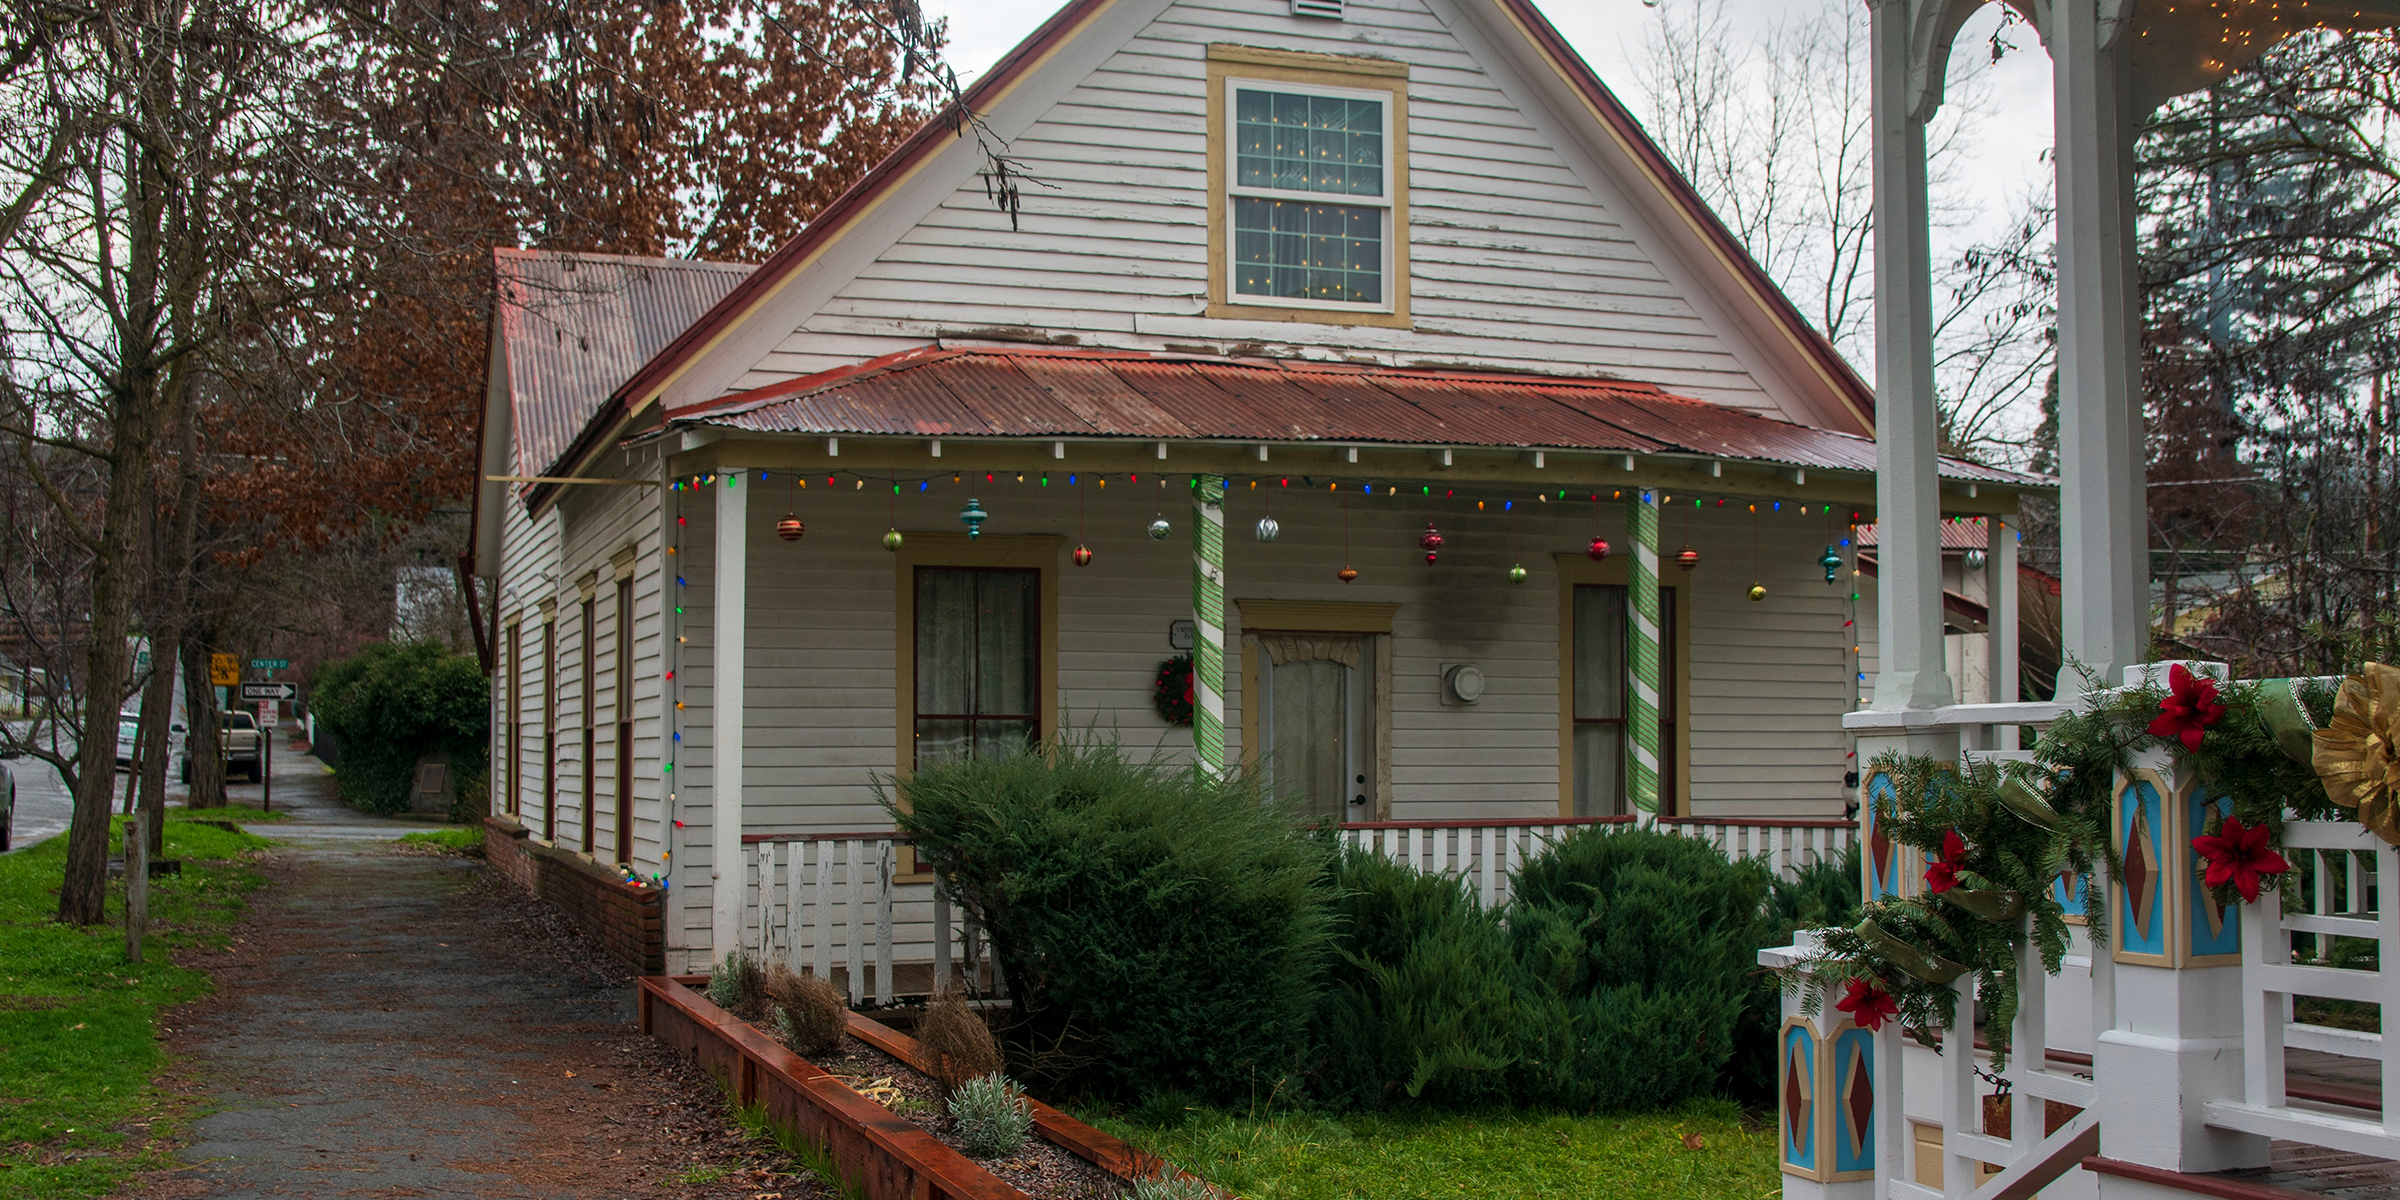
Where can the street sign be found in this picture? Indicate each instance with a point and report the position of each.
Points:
(224, 670)
(270, 691)
(269, 664)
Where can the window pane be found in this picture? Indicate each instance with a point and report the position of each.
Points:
(945, 642)
(1599, 770)
(997, 739)
(1599, 652)
(1307, 143)
(1005, 643)
(939, 740)
(1303, 251)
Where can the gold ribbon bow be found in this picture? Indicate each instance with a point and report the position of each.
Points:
(2358, 757)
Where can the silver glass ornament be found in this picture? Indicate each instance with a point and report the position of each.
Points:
(1267, 529)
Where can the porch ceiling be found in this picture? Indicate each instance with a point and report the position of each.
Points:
(1129, 397)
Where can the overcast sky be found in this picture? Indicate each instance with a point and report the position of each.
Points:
(1609, 32)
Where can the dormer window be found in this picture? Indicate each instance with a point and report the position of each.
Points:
(1308, 171)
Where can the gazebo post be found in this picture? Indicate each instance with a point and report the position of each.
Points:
(728, 615)
(1641, 711)
(1208, 622)
(1908, 513)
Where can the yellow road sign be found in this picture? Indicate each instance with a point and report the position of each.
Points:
(224, 670)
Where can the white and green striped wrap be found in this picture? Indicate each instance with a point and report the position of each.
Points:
(1641, 782)
(1208, 620)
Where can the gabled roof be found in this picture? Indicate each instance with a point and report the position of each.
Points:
(1747, 282)
(572, 327)
(940, 391)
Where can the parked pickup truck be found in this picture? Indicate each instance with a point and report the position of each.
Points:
(241, 737)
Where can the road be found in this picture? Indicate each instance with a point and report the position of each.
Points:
(44, 804)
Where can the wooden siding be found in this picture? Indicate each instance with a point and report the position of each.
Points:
(1516, 259)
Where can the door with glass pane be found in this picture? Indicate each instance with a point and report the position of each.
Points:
(978, 655)
(1317, 721)
(1602, 684)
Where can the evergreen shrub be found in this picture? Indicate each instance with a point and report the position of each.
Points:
(1826, 892)
(1639, 950)
(1423, 999)
(394, 703)
(1160, 929)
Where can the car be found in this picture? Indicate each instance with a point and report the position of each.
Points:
(129, 728)
(241, 742)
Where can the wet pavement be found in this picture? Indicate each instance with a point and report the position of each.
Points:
(391, 1024)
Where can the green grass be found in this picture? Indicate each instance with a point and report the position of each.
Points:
(1640, 1156)
(464, 840)
(78, 1045)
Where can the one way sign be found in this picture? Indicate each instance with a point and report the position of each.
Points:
(270, 691)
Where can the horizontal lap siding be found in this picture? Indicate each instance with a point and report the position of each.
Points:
(1514, 260)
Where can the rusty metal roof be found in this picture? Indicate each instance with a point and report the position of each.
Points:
(1959, 535)
(982, 391)
(575, 326)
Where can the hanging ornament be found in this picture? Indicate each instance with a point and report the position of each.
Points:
(1831, 561)
(974, 517)
(1430, 542)
(891, 540)
(1758, 592)
(1598, 550)
(1083, 556)
(1083, 553)
(1347, 574)
(1159, 529)
(790, 528)
(1267, 529)
(1687, 558)
(1975, 559)
(1516, 574)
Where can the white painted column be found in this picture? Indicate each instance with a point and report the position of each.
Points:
(2103, 522)
(2000, 594)
(726, 706)
(1908, 588)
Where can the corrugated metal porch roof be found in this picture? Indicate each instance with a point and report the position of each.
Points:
(968, 392)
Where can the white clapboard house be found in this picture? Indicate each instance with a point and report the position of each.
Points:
(1357, 271)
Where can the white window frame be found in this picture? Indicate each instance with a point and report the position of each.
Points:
(1234, 190)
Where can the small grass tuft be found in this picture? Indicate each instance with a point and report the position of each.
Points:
(810, 1014)
(955, 1043)
(468, 841)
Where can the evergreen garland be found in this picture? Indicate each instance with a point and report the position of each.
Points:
(1999, 837)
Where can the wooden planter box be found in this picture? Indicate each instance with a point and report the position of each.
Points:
(887, 1154)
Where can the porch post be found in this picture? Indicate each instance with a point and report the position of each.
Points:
(2000, 589)
(1907, 480)
(2103, 540)
(1641, 711)
(731, 618)
(1208, 622)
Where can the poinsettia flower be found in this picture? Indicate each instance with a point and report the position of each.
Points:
(1869, 1006)
(2239, 856)
(1941, 874)
(2189, 708)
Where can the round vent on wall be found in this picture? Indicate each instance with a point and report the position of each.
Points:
(1464, 682)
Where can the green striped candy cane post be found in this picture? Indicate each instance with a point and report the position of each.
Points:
(1208, 621)
(1641, 782)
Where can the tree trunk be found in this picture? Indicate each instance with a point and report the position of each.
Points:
(204, 742)
(166, 651)
(83, 895)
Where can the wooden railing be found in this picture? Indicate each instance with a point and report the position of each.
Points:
(1788, 844)
(1487, 852)
(810, 898)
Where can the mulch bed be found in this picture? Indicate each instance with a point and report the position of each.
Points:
(1039, 1168)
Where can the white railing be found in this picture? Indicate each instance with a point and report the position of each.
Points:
(2329, 852)
(1487, 853)
(815, 899)
(1787, 845)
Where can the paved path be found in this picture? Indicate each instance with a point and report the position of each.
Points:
(395, 1025)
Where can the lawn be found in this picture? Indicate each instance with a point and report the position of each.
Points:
(461, 841)
(78, 1045)
(1704, 1150)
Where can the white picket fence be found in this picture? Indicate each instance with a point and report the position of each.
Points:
(815, 899)
(1487, 853)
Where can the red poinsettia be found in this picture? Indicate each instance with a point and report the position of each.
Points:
(2239, 856)
(1941, 874)
(1869, 1006)
(2189, 709)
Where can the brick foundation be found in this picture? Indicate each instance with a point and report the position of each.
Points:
(627, 921)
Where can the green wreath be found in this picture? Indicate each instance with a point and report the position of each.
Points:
(1171, 690)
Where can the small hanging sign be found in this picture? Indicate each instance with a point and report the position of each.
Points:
(1179, 634)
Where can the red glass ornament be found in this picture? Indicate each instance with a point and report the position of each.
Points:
(1083, 556)
(1687, 558)
(1598, 550)
(790, 528)
(1430, 542)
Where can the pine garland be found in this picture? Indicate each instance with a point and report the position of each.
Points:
(1998, 837)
